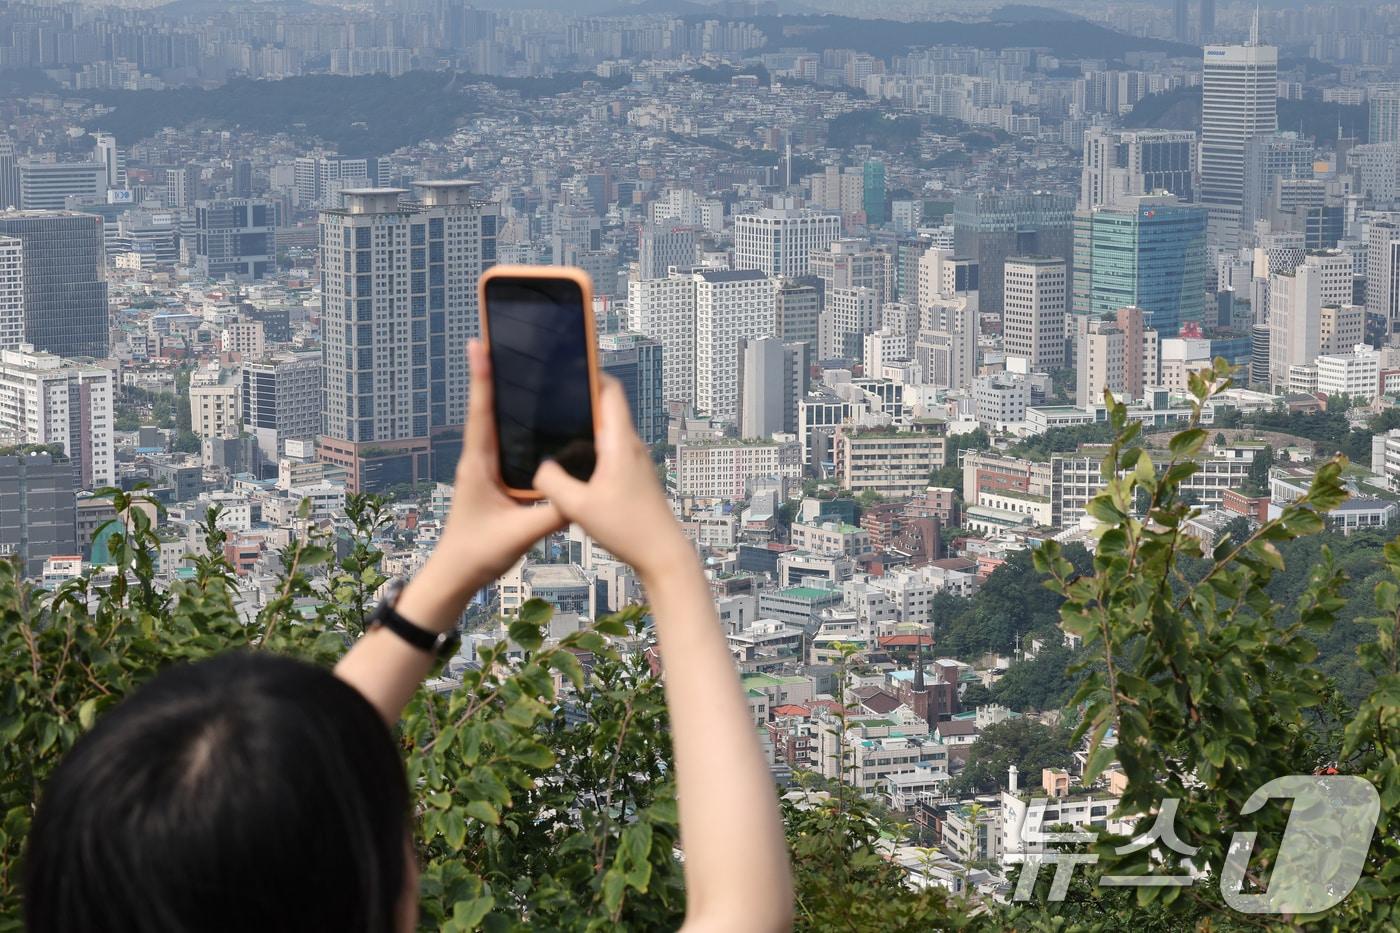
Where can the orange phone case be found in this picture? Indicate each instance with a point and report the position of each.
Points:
(585, 285)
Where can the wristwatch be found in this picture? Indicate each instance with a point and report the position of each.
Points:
(439, 644)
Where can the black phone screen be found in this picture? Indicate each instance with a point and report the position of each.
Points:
(539, 366)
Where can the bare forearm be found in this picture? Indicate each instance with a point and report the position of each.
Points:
(724, 787)
(383, 667)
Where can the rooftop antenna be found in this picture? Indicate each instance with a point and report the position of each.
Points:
(1254, 27)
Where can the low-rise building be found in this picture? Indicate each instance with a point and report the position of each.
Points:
(893, 464)
(726, 469)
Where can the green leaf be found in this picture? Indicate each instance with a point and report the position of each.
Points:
(1187, 444)
(536, 612)
(87, 713)
(566, 663)
(526, 634)
(454, 828)
(611, 625)
(483, 811)
(533, 756)
(467, 915)
(614, 884)
(314, 555)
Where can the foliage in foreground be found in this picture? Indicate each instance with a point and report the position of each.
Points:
(542, 791)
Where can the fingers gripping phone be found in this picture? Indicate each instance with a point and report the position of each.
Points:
(537, 325)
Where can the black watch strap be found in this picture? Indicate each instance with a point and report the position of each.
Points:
(438, 644)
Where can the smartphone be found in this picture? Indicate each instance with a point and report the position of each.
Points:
(537, 325)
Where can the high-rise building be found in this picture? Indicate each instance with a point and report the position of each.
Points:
(9, 174)
(1383, 111)
(946, 348)
(780, 241)
(798, 312)
(1131, 162)
(1376, 170)
(1383, 277)
(664, 310)
(106, 151)
(1033, 320)
(942, 275)
(38, 510)
(65, 286)
(773, 378)
(1180, 20)
(850, 314)
(1269, 160)
(1119, 354)
(182, 186)
(1296, 302)
(1207, 20)
(728, 306)
(638, 363)
(841, 191)
(11, 293)
(873, 192)
(320, 178)
(235, 237)
(146, 239)
(1239, 103)
(215, 394)
(681, 205)
(1343, 327)
(47, 186)
(662, 245)
(281, 401)
(1149, 253)
(45, 399)
(241, 182)
(855, 264)
(989, 227)
(399, 286)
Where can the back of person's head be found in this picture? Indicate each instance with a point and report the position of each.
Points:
(248, 792)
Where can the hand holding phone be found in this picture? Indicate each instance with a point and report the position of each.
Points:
(536, 322)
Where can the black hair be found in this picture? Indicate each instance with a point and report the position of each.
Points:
(244, 793)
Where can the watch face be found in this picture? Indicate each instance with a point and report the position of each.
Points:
(392, 589)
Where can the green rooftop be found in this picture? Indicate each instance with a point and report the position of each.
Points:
(806, 592)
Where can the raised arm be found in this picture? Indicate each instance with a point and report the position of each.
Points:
(486, 532)
(736, 867)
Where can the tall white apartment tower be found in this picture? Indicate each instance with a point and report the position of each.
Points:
(1239, 103)
(1033, 315)
(46, 399)
(780, 241)
(728, 305)
(664, 310)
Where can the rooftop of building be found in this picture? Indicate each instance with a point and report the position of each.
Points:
(809, 593)
(720, 276)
